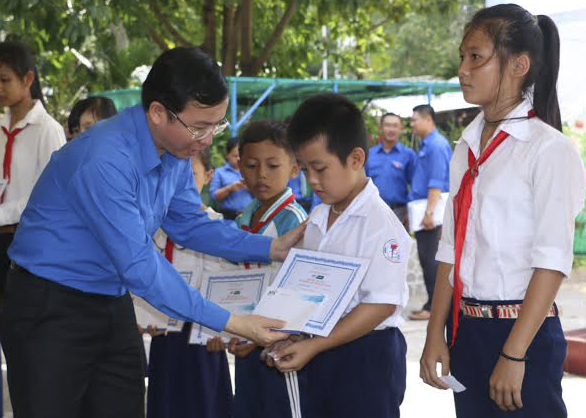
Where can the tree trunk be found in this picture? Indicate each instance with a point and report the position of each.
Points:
(229, 39)
(246, 36)
(178, 38)
(273, 39)
(209, 24)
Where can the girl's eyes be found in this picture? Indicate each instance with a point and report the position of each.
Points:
(274, 166)
(320, 170)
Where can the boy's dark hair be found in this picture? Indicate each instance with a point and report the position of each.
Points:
(231, 144)
(17, 56)
(265, 130)
(513, 30)
(205, 156)
(182, 74)
(333, 116)
(425, 110)
(382, 118)
(100, 106)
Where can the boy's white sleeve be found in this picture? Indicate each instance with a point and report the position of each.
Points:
(386, 278)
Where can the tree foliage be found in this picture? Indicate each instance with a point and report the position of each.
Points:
(92, 45)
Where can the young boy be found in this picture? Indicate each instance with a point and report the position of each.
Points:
(360, 369)
(267, 163)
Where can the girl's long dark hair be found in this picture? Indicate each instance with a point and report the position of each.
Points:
(513, 30)
(18, 57)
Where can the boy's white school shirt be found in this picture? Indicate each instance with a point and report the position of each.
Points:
(367, 228)
(524, 203)
(31, 151)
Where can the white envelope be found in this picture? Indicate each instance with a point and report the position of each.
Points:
(301, 306)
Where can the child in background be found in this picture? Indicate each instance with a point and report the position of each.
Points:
(267, 163)
(184, 379)
(28, 136)
(359, 370)
(227, 187)
(87, 112)
(516, 186)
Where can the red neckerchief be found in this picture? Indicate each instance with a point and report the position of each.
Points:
(462, 202)
(260, 224)
(169, 250)
(11, 135)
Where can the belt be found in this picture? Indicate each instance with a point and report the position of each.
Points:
(505, 311)
(8, 229)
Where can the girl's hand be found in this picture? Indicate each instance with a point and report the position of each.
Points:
(505, 384)
(215, 344)
(295, 356)
(435, 351)
(154, 331)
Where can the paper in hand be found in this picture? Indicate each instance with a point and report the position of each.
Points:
(453, 383)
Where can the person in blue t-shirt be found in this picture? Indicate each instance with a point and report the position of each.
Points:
(227, 187)
(430, 179)
(84, 242)
(390, 165)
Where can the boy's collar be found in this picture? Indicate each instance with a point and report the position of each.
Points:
(357, 207)
(255, 204)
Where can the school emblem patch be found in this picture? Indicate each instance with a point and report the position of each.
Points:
(397, 164)
(391, 251)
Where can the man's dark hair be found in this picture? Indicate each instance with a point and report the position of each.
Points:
(425, 110)
(183, 74)
(333, 116)
(382, 118)
(100, 106)
(265, 130)
(231, 144)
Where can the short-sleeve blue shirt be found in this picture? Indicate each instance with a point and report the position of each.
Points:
(92, 215)
(391, 172)
(433, 166)
(223, 176)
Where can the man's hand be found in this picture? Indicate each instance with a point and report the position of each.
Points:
(256, 328)
(280, 246)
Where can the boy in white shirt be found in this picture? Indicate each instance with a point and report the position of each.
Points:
(360, 368)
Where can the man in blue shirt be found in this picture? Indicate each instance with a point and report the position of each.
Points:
(227, 187)
(390, 164)
(430, 179)
(85, 239)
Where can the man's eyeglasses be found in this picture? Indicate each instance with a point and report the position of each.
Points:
(199, 134)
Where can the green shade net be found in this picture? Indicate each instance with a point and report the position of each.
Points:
(289, 93)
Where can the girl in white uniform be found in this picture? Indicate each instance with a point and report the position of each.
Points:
(516, 186)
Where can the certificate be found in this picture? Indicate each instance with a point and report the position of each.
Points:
(148, 315)
(416, 210)
(336, 277)
(238, 291)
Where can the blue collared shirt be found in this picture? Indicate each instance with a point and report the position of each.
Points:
(91, 217)
(223, 176)
(300, 188)
(433, 166)
(391, 172)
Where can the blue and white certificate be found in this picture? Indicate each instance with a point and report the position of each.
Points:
(336, 277)
(238, 291)
(148, 315)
